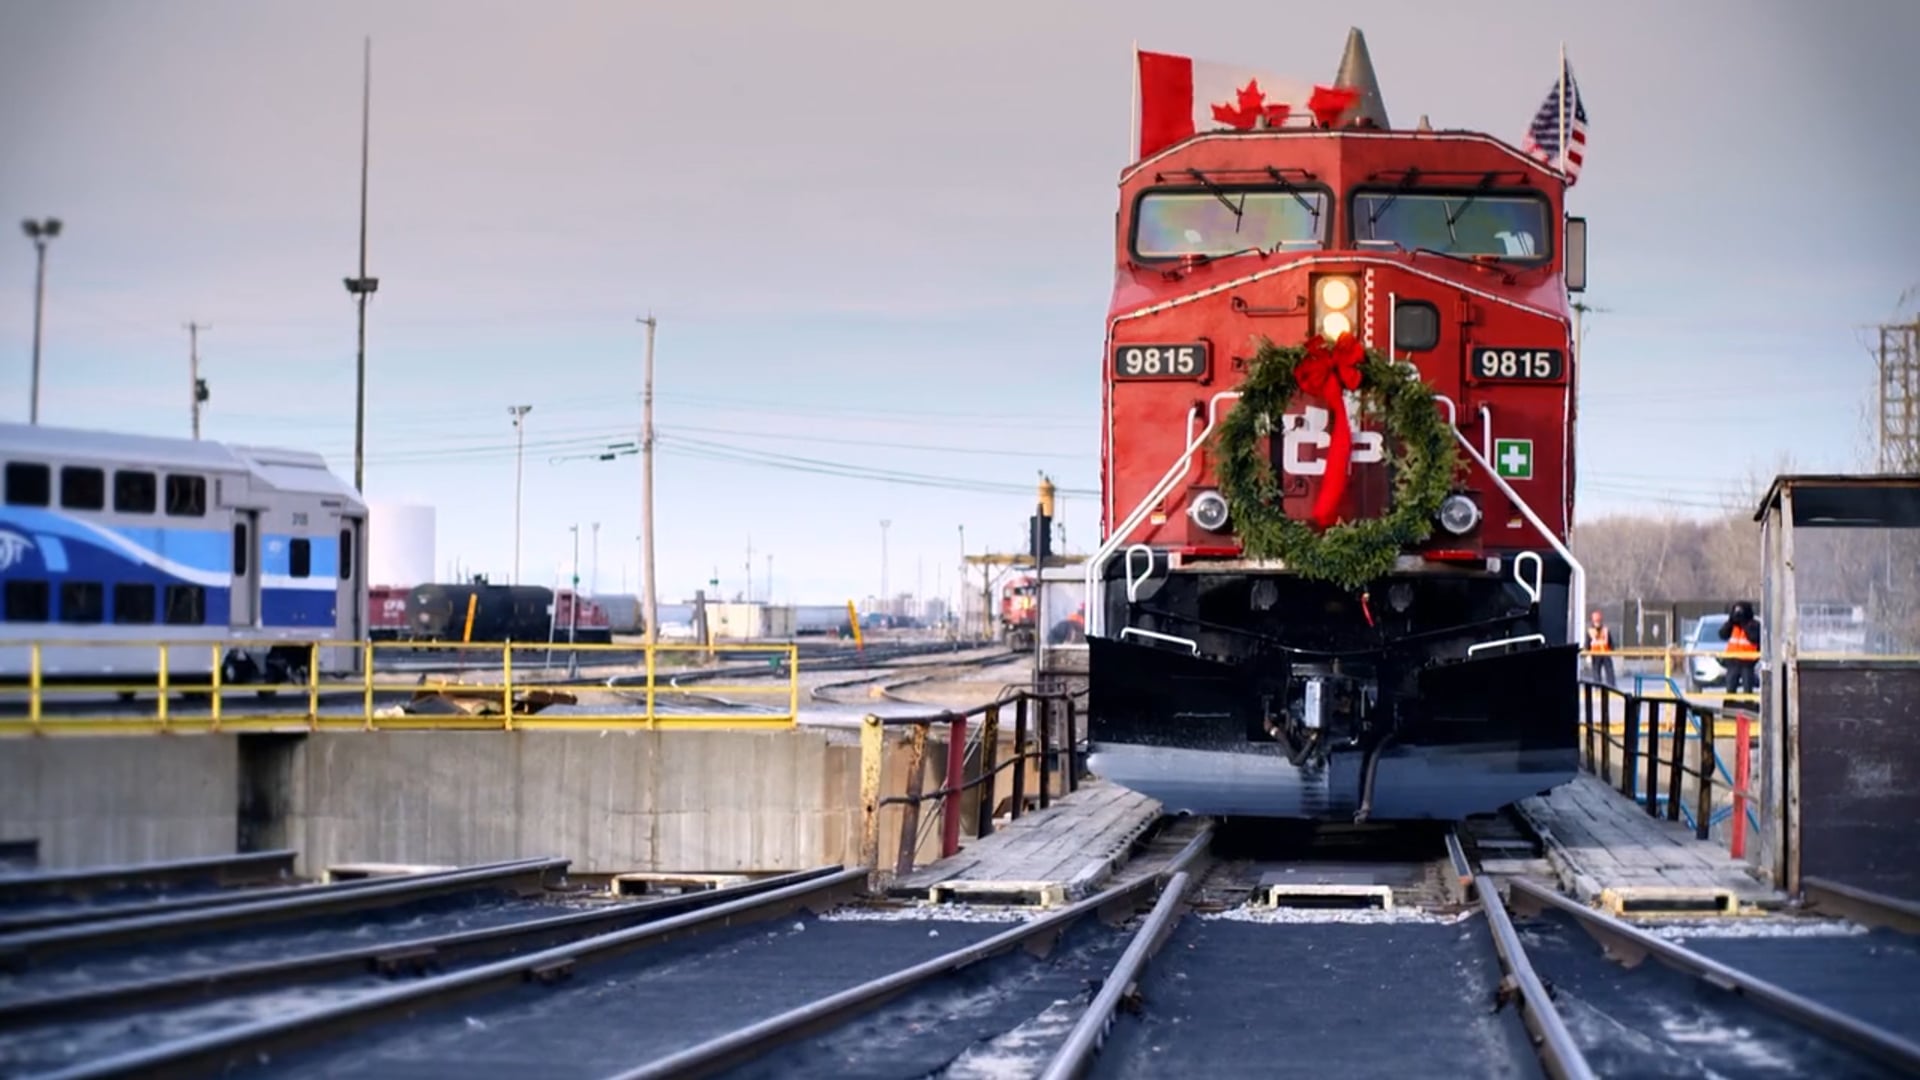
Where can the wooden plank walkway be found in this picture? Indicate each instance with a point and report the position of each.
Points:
(1607, 850)
(1044, 857)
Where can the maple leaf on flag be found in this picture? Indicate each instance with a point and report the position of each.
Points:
(1250, 108)
(1330, 102)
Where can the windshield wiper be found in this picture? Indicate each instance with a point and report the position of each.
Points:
(1406, 184)
(1479, 189)
(1221, 194)
(1287, 186)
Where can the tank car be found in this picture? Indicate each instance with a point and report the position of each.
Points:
(500, 612)
(1227, 680)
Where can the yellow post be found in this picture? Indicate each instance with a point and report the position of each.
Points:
(466, 635)
(33, 684)
(313, 685)
(853, 620)
(366, 664)
(506, 679)
(872, 753)
(214, 697)
(162, 705)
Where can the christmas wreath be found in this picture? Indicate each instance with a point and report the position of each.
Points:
(1349, 554)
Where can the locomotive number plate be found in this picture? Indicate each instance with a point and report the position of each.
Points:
(1518, 365)
(1160, 361)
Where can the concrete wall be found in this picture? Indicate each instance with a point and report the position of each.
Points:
(110, 799)
(620, 801)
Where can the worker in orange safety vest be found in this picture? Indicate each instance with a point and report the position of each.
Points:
(1600, 648)
(1741, 632)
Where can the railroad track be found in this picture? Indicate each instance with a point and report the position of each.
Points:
(904, 675)
(110, 884)
(1231, 963)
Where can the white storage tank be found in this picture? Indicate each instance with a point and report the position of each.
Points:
(399, 543)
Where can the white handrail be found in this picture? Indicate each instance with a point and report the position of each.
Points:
(1096, 607)
(1576, 572)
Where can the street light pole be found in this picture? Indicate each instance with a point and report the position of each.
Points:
(362, 286)
(646, 492)
(593, 582)
(518, 412)
(573, 608)
(193, 367)
(39, 232)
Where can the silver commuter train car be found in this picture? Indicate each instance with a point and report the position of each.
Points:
(106, 537)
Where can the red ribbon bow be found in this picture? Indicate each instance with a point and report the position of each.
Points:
(1327, 373)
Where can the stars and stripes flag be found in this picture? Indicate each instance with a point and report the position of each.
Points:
(1563, 111)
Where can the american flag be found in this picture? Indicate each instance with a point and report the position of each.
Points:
(1543, 138)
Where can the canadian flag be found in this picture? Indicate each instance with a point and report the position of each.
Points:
(1179, 97)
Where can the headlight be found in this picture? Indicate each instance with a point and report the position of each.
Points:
(1458, 515)
(1209, 511)
(1335, 305)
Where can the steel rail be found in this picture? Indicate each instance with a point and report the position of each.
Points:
(237, 869)
(825, 1014)
(1075, 1057)
(73, 916)
(1875, 1042)
(415, 955)
(1559, 1054)
(1859, 905)
(217, 1051)
(19, 951)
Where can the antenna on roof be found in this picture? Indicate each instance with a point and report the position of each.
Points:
(1356, 72)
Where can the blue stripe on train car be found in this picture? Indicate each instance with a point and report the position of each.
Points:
(209, 550)
(54, 543)
(276, 555)
(298, 607)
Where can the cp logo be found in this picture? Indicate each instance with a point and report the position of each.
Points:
(1309, 429)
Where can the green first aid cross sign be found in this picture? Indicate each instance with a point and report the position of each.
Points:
(1513, 458)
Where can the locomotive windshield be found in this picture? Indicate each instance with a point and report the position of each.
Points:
(1173, 224)
(1503, 226)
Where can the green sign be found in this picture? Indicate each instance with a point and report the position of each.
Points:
(1513, 458)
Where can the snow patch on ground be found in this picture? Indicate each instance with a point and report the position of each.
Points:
(1022, 1052)
(1784, 926)
(1353, 916)
(938, 913)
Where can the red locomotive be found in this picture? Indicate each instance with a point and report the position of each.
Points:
(1349, 595)
(1019, 612)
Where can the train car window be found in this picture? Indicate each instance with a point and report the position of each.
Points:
(133, 605)
(83, 487)
(1508, 227)
(241, 549)
(300, 558)
(26, 601)
(29, 484)
(1170, 224)
(133, 492)
(186, 495)
(186, 605)
(82, 602)
(346, 554)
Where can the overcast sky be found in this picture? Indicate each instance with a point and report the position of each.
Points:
(868, 229)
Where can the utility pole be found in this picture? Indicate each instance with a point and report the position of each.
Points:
(39, 232)
(519, 413)
(646, 491)
(193, 367)
(886, 606)
(573, 607)
(593, 586)
(749, 568)
(769, 579)
(362, 287)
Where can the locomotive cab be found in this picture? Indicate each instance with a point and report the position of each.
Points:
(1228, 682)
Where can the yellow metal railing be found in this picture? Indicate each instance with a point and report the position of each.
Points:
(403, 686)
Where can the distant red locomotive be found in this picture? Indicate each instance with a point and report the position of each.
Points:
(1352, 598)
